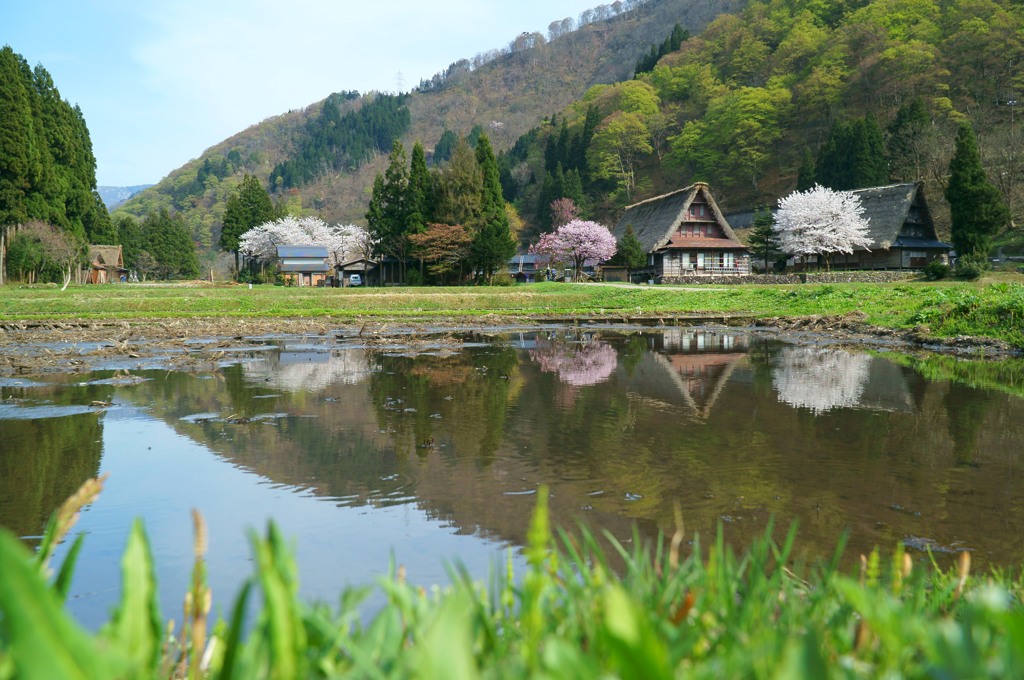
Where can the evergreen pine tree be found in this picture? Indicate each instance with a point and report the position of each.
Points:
(445, 146)
(129, 235)
(16, 140)
(976, 207)
(573, 188)
(580, 162)
(853, 157)
(249, 206)
(458, 189)
(418, 198)
(630, 252)
(906, 134)
(562, 148)
(763, 240)
(805, 175)
(388, 214)
(871, 167)
(99, 228)
(493, 244)
(166, 238)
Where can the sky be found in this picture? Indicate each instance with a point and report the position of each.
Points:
(160, 81)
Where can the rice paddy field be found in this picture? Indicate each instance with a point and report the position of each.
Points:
(992, 310)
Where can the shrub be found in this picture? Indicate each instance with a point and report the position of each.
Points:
(413, 277)
(502, 279)
(970, 268)
(936, 270)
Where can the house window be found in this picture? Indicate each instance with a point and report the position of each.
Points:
(728, 260)
(697, 210)
(700, 260)
(685, 260)
(915, 258)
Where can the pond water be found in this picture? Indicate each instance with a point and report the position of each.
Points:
(429, 453)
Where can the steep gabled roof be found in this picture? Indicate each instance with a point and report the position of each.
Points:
(109, 256)
(657, 219)
(886, 209)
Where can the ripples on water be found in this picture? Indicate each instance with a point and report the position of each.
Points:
(365, 455)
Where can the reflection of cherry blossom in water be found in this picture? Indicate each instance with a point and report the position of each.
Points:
(820, 379)
(578, 365)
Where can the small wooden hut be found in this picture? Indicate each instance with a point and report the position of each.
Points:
(106, 265)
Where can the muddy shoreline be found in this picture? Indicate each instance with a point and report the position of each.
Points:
(28, 348)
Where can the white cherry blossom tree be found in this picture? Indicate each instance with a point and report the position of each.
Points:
(343, 241)
(579, 242)
(821, 221)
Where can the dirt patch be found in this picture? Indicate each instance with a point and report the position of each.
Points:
(203, 343)
(852, 329)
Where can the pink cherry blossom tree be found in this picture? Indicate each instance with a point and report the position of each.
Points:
(821, 221)
(563, 211)
(579, 243)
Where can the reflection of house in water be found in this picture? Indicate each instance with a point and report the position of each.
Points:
(309, 369)
(688, 368)
(822, 379)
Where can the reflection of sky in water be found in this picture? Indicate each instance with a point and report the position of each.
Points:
(160, 475)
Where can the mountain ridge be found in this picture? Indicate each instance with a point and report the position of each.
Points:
(489, 91)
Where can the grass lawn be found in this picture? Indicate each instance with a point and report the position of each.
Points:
(991, 308)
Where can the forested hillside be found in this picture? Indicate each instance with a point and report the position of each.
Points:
(637, 98)
(784, 92)
(506, 92)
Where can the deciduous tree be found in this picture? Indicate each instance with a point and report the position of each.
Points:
(822, 222)
(563, 211)
(445, 248)
(578, 243)
(618, 144)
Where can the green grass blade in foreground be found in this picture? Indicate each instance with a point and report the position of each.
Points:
(39, 636)
(137, 624)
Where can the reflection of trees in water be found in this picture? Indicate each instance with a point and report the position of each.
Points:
(966, 409)
(43, 461)
(820, 379)
(310, 371)
(462, 399)
(579, 365)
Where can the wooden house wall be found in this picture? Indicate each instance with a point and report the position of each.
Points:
(674, 263)
(305, 278)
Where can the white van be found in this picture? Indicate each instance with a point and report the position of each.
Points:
(355, 280)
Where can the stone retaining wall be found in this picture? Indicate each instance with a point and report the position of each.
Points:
(811, 277)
